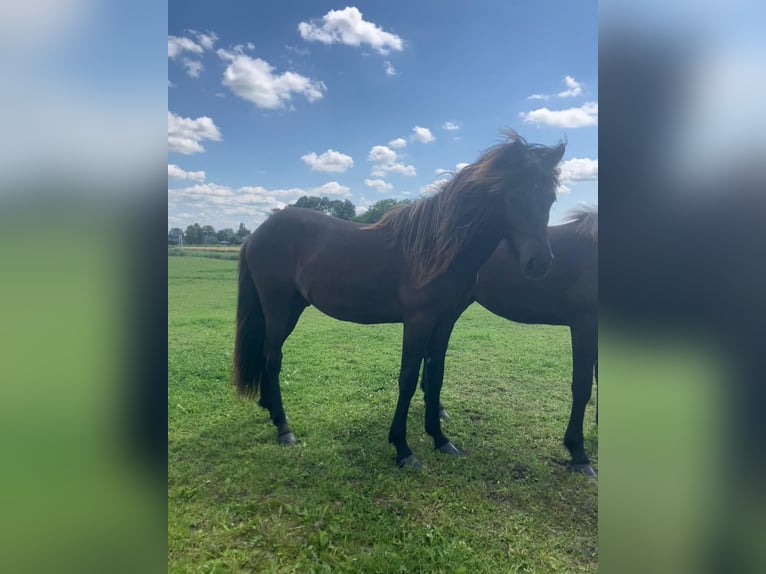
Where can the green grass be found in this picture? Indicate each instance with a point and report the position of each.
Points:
(212, 253)
(336, 502)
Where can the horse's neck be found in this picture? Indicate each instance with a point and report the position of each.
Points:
(479, 248)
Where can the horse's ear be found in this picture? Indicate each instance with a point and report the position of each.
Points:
(553, 156)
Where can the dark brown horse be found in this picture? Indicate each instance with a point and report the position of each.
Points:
(568, 295)
(416, 266)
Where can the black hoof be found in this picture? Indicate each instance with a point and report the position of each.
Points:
(410, 462)
(449, 448)
(287, 439)
(443, 414)
(583, 468)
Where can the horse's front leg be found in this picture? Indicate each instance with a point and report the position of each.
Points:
(416, 335)
(584, 354)
(433, 372)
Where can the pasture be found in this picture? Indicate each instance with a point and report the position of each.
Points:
(336, 502)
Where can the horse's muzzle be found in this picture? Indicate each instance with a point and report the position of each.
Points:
(537, 266)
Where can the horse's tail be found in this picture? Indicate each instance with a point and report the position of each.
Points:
(250, 337)
(595, 370)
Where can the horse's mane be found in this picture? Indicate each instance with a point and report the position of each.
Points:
(585, 220)
(433, 230)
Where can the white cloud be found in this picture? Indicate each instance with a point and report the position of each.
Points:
(331, 160)
(185, 134)
(385, 162)
(175, 172)
(458, 167)
(332, 188)
(297, 50)
(382, 169)
(584, 116)
(254, 80)
(389, 67)
(207, 41)
(201, 191)
(451, 126)
(379, 185)
(193, 67)
(579, 169)
(178, 45)
(222, 206)
(574, 88)
(422, 135)
(433, 187)
(381, 154)
(397, 143)
(348, 27)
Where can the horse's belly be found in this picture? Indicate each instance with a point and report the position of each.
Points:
(351, 303)
(366, 313)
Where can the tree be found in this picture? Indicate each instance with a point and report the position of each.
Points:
(226, 235)
(342, 209)
(378, 209)
(208, 234)
(176, 235)
(337, 208)
(193, 234)
(312, 202)
(241, 233)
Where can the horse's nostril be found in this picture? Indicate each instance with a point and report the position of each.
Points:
(536, 267)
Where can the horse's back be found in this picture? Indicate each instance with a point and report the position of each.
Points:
(347, 272)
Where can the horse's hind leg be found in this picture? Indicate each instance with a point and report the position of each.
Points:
(281, 317)
(595, 370)
(443, 414)
(584, 353)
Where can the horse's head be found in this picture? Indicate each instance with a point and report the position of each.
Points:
(525, 181)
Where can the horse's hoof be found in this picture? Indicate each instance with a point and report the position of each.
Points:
(410, 462)
(443, 414)
(449, 448)
(583, 468)
(287, 439)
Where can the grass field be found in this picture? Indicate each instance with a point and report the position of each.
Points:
(210, 251)
(336, 502)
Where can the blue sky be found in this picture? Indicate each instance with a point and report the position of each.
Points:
(268, 101)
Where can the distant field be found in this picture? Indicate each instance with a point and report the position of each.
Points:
(223, 248)
(211, 252)
(336, 502)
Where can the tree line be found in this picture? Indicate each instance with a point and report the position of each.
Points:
(342, 209)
